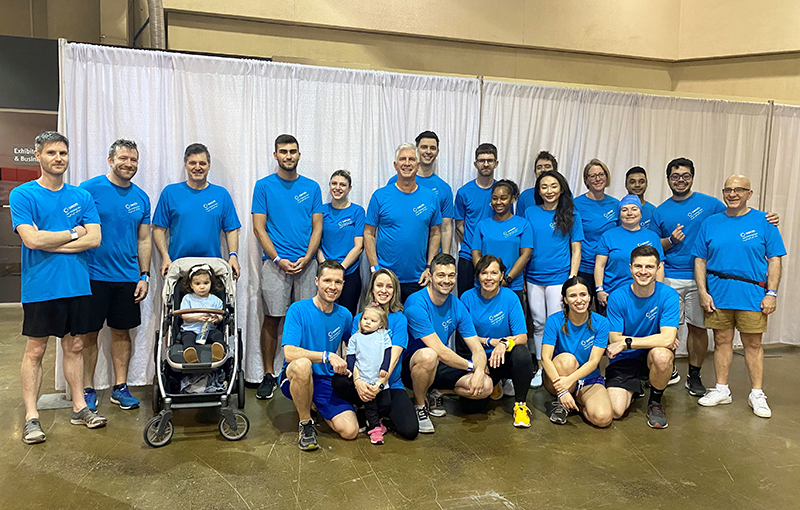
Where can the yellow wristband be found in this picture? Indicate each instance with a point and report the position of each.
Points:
(509, 344)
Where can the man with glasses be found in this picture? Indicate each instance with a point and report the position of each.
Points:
(474, 203)
(735, 252)
(544, 163)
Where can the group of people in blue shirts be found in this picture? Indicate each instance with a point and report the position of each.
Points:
(547, 284)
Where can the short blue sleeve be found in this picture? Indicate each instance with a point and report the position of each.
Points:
(460, 207)
(601, 333)
(373, 211)
(419, 322)
(465, 326)
(230, 219)
(671, 304)
(293, 327)
(551, 328)
(615, 312)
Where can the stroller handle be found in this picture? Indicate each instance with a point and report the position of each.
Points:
(215, 311)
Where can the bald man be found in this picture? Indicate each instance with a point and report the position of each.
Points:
(737, 267)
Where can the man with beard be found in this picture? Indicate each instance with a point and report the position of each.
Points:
(287, 221)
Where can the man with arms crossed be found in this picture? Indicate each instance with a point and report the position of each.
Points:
(287, 221)
(57, 223)
(313, 332)
(643, 335)
(118, 270)
(734, 253)
(402, 229)
(434, 315)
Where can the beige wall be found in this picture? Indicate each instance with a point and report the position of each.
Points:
(75, 20)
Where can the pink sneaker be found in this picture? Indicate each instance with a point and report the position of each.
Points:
(383, 428)
(376, 435)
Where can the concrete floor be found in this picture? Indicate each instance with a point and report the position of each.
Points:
(723, 458)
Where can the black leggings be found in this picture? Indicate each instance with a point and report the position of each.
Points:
(392, 403)
(518, 367)
(466, 276)
(189, 338)
(351, 291)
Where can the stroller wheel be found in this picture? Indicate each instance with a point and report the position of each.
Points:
(242, 426)
(151, 435)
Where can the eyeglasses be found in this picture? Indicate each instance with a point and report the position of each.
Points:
(486, 161)
(738, 191)
(680, 177)
(596, 177)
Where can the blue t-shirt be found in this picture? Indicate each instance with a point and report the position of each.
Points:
(308, 327)
(425, 318)
(444, 193)
(121, 212)
(738, 246)
(194, 301)
(597, 216)
(473, 204)
(340, 227)
(617, 244)
(398, 332)
(499, 317)
(526, 200)
(552, 250)
(368, 350)
(289, 206)
(194, 219)
(579, 340)
(402, 222)
(648, 217)
(691, 213)
(640, 317)
(46, 275)
(504, 239)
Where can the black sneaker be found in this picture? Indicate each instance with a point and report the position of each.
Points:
(558, 415)
(308, 436)
(695, 386)
(267, 387)
(675, 378)
(656, 418)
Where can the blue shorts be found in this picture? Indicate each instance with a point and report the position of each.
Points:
(329, 403)
(598, 379)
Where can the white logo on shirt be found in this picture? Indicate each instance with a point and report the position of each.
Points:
(420, 209)
(553, 226)
(652, 313)
(347, 221)
(446, 324)
(335, 334)
(132, 208)
(644, 223)
(510, 232)
(750, 234)
(302, 197)
(588, 343)
(72, 210)
(496, 318)
(610, 215)
(210, 206)
(694, 214)
(646, 243)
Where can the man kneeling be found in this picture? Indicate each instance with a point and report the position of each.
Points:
(643, 335)
(313, 332)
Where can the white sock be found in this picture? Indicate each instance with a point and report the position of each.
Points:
(723, 388)
(418, 407)
(757, 393)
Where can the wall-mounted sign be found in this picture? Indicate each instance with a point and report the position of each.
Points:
(24, 156)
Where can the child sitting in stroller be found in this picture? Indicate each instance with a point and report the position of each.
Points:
(200, 328)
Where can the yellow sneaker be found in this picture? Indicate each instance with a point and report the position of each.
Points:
(522, 417)
(497, 392)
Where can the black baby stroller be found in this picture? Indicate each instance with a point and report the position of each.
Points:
(171, 368)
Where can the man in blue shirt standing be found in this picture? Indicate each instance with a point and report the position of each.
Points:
(287, 221)
(312, 334)
(57, 223)
(474, 203)
(434, 315)
(118, 270)
(402, 229)
(738, 269)
(636, 184)
(194, 212)
(643, 336)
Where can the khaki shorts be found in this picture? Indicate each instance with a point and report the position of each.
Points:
(746, 321)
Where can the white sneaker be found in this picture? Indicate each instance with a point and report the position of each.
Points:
(508, 388)
(536, 382)
(435, 403)
(425, 423)
(715, 398)
(759, 405)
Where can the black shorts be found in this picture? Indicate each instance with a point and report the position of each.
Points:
(628, 374)
(56, 317)
(113, 303)
(446, 376)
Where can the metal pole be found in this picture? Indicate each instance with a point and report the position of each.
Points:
(762, 194)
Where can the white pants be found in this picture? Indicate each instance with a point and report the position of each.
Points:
(543, 301)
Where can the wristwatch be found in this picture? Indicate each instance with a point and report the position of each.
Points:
(628, 342)
(381, 386)
(507, 279)
(73, 234)
(509, 343)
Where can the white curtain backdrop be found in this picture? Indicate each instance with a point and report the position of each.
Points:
(355, 120)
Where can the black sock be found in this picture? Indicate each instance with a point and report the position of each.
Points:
(694, 371)
(655, 395)
(119, 386)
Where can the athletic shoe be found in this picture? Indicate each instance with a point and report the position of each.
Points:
(656, 418)
(267, 387)
(675, 378)
(695, 386)
(497, 392)
(759, 405)
(375, 436)
(89, 418)
(435, 403)
(522, 418)
(715, 398)
(307, 440)
(508, 388)
(425, 423)
(536, 382)
(32, 433)
(558, 415)
(383, 428)
(123, 398)
(90, 397)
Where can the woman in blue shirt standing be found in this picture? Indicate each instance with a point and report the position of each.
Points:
(343, 237)
(557, 236)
